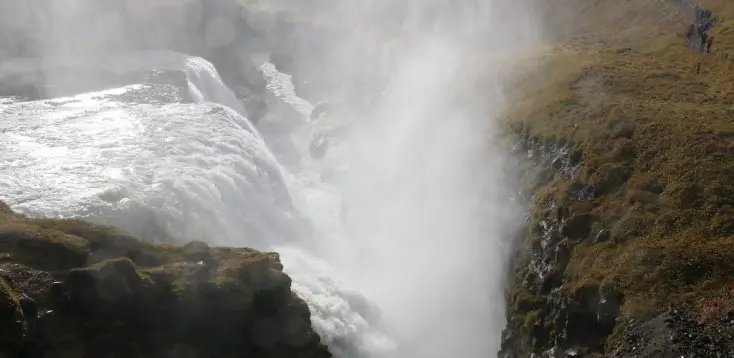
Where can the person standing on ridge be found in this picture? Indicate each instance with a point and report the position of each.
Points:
(709, 42)
(704, 37)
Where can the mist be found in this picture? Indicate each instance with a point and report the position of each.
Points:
(426, 214)
(428, 195)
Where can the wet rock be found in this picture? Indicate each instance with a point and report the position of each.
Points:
(11, 318)
(318, 147)
(607, 313)
(671, 334)
(136, 299)
(28, 306)
(579, 319)
(578, 227)
(198, 251)
(256, 107)
(57, 292)
(602, 236)
(562, 213)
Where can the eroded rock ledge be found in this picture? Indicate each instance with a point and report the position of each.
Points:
(73, 289)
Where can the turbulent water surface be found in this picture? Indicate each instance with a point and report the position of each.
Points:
(396, 239)
(178, 171)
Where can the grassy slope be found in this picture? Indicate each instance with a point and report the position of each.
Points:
(656, 138)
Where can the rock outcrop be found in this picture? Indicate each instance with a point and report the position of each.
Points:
(72, 289)
(630, 249)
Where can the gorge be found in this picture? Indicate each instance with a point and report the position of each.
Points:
(230, 178)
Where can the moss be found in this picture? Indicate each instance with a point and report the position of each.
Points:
(524, 301)
(5, 209)
(110, 292)
(620, 128)
(112, 283)
(609, 177)
(578, 226)
(653, 142)
(33, 245)
(532, 319)
(106, 242)
(198, 251)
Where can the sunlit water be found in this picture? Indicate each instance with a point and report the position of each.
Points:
(412, 270)
(182, 172)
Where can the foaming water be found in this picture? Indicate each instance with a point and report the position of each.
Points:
(178, 172)
(346, 321)
(204, 81)
(412, 268)
(192, 165)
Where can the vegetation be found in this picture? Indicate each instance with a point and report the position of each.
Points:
(70, 286)
(656, 145)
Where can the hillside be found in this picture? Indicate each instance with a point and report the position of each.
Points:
(635, 245)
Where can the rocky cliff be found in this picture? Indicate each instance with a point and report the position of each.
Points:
(629, 252)
(73, 289)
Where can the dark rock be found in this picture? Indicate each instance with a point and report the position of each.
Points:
(318, 147)
(578, 227)
(602, 236)
(11, 318)
(607, 313)
(562, 213)
(28, 306)
(198, 251)
(136, 299)
(57, 292)
(670, 335)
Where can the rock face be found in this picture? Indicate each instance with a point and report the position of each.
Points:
(72, 289)
(553, 314)
(629, 251)
(673, 334)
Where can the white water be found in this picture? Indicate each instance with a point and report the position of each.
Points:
(186, 171)
(419, 267)
(191, 165)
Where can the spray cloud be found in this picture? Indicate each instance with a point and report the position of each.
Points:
(428, 200)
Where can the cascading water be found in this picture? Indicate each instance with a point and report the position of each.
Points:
(405, 253)
(99, 157)
(170, 172)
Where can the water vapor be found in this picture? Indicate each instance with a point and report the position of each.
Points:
(411, 238)
(429, 204)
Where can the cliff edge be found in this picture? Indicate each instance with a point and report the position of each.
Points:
(73, 289)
